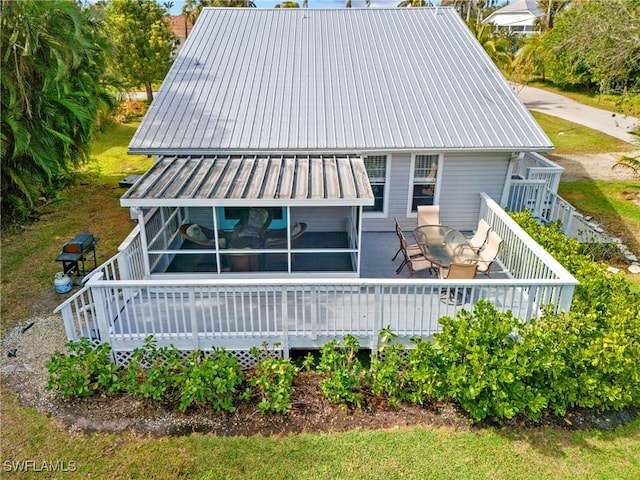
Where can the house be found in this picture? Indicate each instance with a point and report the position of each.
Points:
(319, 128)
(518, 16)
(181, 27)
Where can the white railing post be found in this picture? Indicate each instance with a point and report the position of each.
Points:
(566, 297)
(377, 317)
(285, 324)
(101, 312)
(193, 316)
(69, 325)
(314, 312)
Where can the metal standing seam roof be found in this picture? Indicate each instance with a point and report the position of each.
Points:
(250, 180)
(335, 80)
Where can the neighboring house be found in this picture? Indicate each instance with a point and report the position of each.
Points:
(519, 16)
(335, 122)
(181, 27)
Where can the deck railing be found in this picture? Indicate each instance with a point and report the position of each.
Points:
(536, 189)
(120, 307)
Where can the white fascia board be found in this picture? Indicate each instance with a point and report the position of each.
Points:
(230, 202)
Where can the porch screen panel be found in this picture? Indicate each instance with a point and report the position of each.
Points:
(376, 166)
(424, 180)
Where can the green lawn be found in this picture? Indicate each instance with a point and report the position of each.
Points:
(570, 138)
(418, 452)
(93, 205)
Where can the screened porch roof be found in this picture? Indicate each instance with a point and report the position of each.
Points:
(247, 180)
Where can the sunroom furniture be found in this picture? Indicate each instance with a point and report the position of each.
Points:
(201, 236)
(254, 224)
(480, 237)
(428, 215)
(277, 239)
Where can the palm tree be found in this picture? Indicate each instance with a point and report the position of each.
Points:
(529, 59)
(52, 72)
(497, 47)
(192, 8)
(550, 9)
(415, 3)
(631, 163)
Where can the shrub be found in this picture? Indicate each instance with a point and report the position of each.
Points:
(593, 350)
(163, 375)
(344, 372)
(485, 365)
(211, 380)
(386, 373)
(84, 371)
(273, 379)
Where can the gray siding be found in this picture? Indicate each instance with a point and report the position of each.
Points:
(464, 176)
(321, 219)
(459, 192)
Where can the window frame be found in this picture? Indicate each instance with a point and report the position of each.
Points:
(385, 188)
(412, 181)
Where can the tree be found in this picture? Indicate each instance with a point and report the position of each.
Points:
(630, 163)
(529, 59)
(496, 45)
(287, 5)
(52, 89)
(415, 3)
(551, 9)
(192, 8)
(143, 44)
(596, 41)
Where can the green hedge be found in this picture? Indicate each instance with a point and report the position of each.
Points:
(494, 365)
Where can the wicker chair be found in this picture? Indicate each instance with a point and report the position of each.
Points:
(277, 238)
(207, 238)
(254, 224)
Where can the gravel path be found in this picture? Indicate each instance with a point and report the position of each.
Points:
(585, 167)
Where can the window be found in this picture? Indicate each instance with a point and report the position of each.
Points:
(229, 216)
(376, 166)
(425, 170)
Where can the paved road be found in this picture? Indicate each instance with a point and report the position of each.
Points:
(613, 124)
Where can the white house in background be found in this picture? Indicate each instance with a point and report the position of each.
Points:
(519, 16)
(335, 122)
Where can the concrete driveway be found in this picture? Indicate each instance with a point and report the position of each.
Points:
(613, 124)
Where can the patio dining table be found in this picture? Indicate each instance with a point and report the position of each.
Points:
(443, 245)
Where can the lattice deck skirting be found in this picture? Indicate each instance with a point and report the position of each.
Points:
(245, 358)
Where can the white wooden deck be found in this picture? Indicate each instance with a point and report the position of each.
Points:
(121, 307)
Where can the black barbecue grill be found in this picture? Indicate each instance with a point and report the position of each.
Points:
(75, 252)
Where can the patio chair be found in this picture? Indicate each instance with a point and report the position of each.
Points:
(459, 271)
(202, 236)
(254, 224)
(413, 249)
(277, 238)
(416, 263)
(480, 237)
(456, 271)
(489, 253)
(428, 215)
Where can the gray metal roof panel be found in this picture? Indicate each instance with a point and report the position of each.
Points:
(278, 180)
(312, 80)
